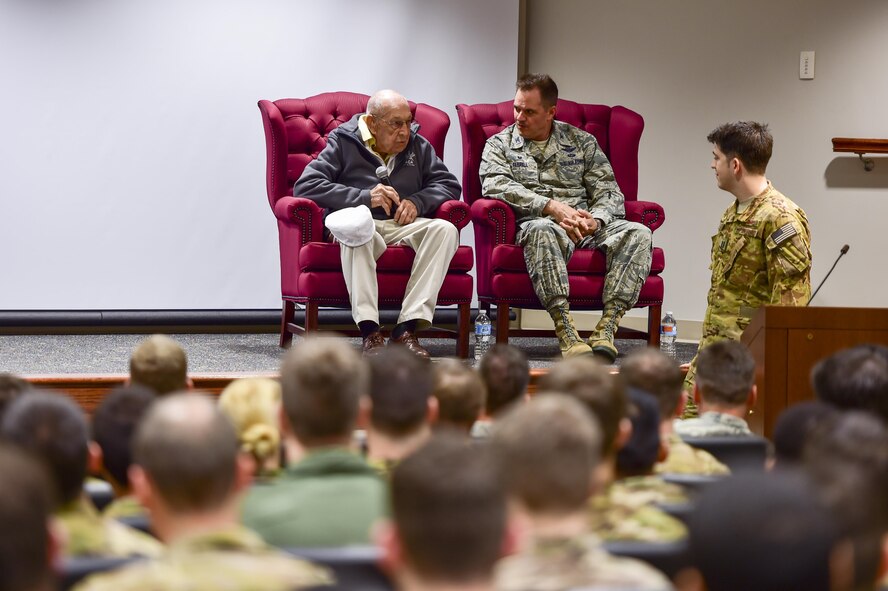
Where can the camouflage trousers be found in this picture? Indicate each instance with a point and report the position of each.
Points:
(547, 249)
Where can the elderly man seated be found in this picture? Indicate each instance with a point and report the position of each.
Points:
(379, 161)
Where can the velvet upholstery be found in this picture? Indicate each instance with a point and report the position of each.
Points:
(311, 275)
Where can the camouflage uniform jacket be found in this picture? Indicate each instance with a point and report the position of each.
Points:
(126, 506)
(572, 169)
(685, 459)
(89, 534)
(712, 424)
(556, 564)
(234, 558)
(626, 511)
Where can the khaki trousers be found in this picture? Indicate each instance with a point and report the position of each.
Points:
(435, 242)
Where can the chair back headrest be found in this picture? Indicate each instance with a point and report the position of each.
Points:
(617, 129)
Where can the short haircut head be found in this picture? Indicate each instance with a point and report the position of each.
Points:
(188, 448)
(657, 374)
(592, 384)
(794, 427)
(253, 406)
(542, 82)
(766, 532)
(749, 141)
(11, 387)
(460, 393)
(506, 374)
(114, 424)
(322, 381)
(642, 449)
(53, 428)
(401, 384)
(25, 507)
(854, 379)
(449, 508)
(725, 373)
(548, 449)
(384, 101)
(159, 363)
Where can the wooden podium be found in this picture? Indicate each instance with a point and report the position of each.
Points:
(787, 342)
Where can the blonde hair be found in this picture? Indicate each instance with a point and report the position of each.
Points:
(253, 405)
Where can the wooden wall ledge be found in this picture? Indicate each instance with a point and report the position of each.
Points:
(861, 146)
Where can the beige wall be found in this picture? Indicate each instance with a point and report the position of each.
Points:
(688, 65)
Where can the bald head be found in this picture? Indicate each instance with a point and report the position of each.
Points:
(384, 101)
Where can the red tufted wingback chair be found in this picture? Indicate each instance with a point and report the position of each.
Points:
(311, 273)
(503, 280)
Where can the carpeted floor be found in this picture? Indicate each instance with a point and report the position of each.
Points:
(215, 353)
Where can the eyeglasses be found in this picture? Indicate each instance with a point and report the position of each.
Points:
(396, 124)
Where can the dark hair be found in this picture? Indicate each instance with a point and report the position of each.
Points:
(322, 381)
(542, 82)
(638, 456)
(53, 428)
(11, 387)
(114, 425)
(188, 448)
(855, 378)
(460, 393)
(159, 363)
(549, 449)
(400, 386)
(592, 384)
(793, 428)
(506, 373)
(449, 508)
(25, 507)
(749, 141)
(657, 374)
(725, 373)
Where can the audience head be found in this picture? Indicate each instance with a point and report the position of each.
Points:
(793, 428)
(656, 373)
(748, 141)
(53, 428)
(113, 426)
(26, 545)
(401, 385)
(449, 512)
(642, 450)
(159, 363)
(549, 450)
(254, 406)
(506, 374)
(186, 456)
(725, 376)
(460, 394)
(854, 379)
(766, 532)
(11, 387)
(592, 384)
(322, 382)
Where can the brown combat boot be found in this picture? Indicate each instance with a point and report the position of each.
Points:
(569, 340)
(602, 340)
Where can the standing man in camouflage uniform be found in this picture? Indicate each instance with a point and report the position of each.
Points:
(563, 191)
(761, 253)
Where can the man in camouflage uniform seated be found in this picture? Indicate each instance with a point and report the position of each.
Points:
(190, 475)
(565, 196)
(761, 253)
(724, 392)
(549, 473)
(53, 428)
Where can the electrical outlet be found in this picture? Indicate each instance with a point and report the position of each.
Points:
(806, 65)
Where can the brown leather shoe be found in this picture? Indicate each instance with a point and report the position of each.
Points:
(409, 340)
(373, 344)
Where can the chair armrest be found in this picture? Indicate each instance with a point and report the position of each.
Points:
(494, 218)
(303, 214)
(455, 212)
(645, 212)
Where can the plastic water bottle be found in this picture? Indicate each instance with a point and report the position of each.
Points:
(482, 335)
(668, 334)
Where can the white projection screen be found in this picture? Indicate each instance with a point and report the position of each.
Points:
(132, 158)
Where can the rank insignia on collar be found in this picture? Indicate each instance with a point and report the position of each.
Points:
(785, 232)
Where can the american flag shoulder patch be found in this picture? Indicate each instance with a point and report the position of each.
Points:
(783, 233)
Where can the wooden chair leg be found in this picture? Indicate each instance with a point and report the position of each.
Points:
(654, 316)
(463, 325)
(502, 323)
(287, 311)
(311, 317)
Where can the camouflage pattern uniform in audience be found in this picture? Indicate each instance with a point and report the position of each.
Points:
(686, 459)
(557, 564)
(760, 256)
(89, 534)
(234, 558)
(712, 424)
(127, 506)
(626, 511)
